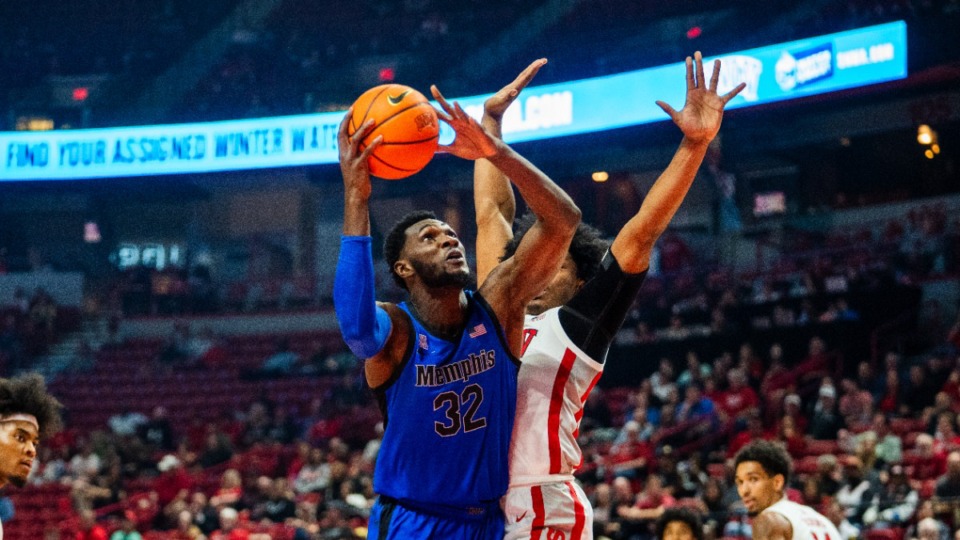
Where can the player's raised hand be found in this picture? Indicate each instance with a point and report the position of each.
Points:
(700, 117)
(353, 161)
(472, 141)
(497, 104)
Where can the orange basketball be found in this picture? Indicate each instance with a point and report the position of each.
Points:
(408, 124)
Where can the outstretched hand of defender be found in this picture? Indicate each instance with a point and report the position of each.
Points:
(700, 117)
(472, 142)
(497, 104)
(353, 160)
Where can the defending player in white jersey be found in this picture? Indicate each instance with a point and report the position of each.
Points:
(762, 473)
(571, 324)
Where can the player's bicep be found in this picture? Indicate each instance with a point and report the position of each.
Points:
(381, 367)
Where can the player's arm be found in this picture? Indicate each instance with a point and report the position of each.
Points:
(372, 332)
(492, 195)
(540, 253)
(772, 526)
(699, 120)
(594, 316)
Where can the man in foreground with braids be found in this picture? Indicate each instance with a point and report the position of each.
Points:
(27, 414)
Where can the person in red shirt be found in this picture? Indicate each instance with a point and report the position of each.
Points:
(173, 480)
(650, 505)
(631, 454)
(739, 401)
(928, 463)
(753, 432)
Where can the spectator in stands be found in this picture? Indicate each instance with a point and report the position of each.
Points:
(631, 454)
(919, 393)
(256, 424)
(696, 372)
(826, 420)
(948, 485)
(754, 431)
(86, 464)
(230, 528)
(230, 491)
(649, 505)
(697, 408)
(173, 482)
(204, 514)
(603, 509)
(927, 527)
(816, 365)
(945, 435)
(279, 504)
(158, 432)
(186, 529)
(314, 476)
(662, 382)
(739, 401)
(217, 449)
(889, 400)
(828, 475)
(855, 491)
(941, 404)
(895, 503)
(794, 440)
(927, 462)
(889, 447)
(856, 404)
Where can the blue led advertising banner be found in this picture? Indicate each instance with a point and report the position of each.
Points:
(773, 73)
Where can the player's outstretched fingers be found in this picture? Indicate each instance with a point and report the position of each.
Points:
(715, 78)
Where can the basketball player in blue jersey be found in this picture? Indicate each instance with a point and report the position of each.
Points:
(573, 320)
(443, 364)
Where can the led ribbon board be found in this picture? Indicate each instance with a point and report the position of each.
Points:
(774, 73)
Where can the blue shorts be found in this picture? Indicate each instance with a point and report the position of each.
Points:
(393, 520)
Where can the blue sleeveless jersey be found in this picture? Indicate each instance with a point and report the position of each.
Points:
(448, 416)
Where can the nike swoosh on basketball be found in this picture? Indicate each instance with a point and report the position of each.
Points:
(521, 517)
(396, 100)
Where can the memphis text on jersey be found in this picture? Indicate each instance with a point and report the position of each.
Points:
(462, 370)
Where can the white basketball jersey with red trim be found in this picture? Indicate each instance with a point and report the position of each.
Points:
(807, 523)
(555, 379)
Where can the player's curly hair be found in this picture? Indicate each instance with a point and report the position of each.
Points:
(771, 456)
(587, 247)
(393, 244)
(27, 394)
(684, 515)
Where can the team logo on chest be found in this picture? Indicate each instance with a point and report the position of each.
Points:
(461, 370)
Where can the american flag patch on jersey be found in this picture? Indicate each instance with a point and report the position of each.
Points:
(478, 331)
(423, 342)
